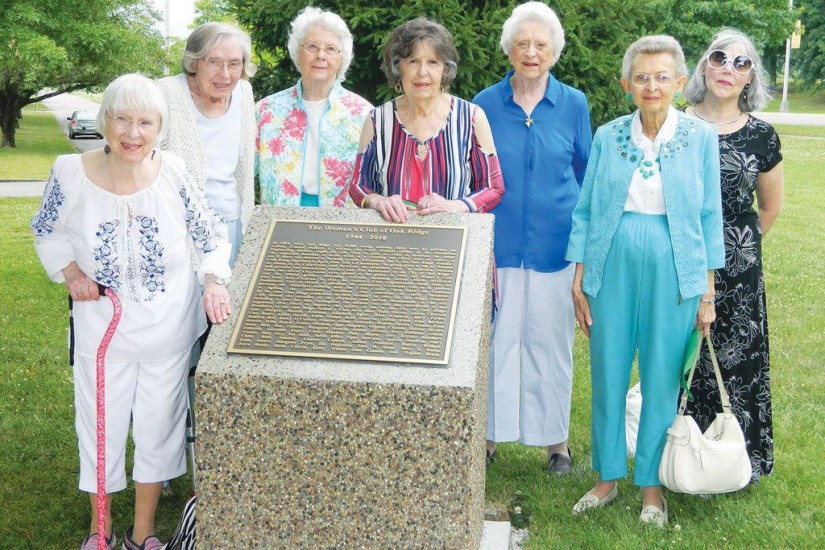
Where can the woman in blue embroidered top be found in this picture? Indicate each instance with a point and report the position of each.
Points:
(123, 217)
(542, 131)
(308, 134)
(647, 235)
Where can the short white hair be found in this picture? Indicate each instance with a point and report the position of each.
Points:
(533, 11)
(652, 45)
(132, 92)
(310, 17)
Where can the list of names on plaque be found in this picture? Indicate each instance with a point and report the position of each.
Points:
(354, 291)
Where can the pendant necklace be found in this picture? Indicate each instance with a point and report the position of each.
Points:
(421, 149)
(731, 121)
(529, 121)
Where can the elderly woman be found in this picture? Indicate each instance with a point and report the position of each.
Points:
(308, 134)
(123, 217)
(211, 121)
(542, 129)
(647, 235)
(425, 151)
(729, 82)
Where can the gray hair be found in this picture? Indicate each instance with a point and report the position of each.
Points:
(206, 37)
(653, 44)
(132, 92)
(533, 11)
(310, 17)
(758, 93)
(407, 36)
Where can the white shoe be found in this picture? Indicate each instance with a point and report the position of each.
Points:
(590, 500)
(653, 515)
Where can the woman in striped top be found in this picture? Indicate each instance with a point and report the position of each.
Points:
(425, 151)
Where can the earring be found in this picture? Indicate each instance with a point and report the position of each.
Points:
(628, 96)
(107, 149)
(745, 92)
(398, 88)
(678, 94)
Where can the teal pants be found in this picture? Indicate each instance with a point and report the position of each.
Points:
(638, 310)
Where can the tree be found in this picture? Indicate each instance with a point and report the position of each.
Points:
(597, 31)
(69, 45)
(207, 11)
(694, 22)
(812, 48)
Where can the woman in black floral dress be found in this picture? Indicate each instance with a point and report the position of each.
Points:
(728, 83)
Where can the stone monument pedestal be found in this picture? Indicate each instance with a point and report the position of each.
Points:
(319, 453)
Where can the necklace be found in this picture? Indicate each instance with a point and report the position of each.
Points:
(731, 121)
(421, 149)
(529, 122)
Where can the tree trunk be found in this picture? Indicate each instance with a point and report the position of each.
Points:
(8, 121)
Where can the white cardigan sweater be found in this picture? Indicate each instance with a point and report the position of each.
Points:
(182, 139)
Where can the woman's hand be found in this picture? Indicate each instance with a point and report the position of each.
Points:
(216, 302)
(433, 203)
(80, 286)
(391, 208)
(706, 315)
(580, 303)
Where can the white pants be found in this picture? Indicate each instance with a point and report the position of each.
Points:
(153, 395)
(531, 357)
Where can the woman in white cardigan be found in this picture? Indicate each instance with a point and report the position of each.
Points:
(212, 121)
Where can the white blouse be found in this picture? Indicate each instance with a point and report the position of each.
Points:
(138, 245)
(646, 195)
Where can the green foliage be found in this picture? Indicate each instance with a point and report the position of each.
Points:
(212, 10)
(597, 33)
(694, 22)
(812, 47)
(65, 47)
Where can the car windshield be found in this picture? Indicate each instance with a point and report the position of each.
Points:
(87, 116)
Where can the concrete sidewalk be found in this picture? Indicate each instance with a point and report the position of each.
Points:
(22, 188)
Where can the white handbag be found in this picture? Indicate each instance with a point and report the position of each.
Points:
(707, 463)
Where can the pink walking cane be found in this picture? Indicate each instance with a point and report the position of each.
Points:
(101, 415)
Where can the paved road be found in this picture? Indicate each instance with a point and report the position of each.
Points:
(798, 119)
(62, 106)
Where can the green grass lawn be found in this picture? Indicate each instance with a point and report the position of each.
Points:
(42, 508)
(799, 101)
(39, 140)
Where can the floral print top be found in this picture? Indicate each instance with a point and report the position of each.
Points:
(279, 159)
(137, 245)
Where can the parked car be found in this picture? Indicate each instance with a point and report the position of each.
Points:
(83, 123)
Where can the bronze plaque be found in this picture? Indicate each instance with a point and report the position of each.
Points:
(378, 292)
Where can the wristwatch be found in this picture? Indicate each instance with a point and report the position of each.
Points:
(217, 280)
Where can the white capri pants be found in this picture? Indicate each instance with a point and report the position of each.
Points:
(153, 395)
(531, 357)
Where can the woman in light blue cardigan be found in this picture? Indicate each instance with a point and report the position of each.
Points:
(647, 235)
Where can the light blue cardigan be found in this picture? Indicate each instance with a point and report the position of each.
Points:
(693, 200)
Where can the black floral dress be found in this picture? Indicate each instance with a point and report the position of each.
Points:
(740, 332)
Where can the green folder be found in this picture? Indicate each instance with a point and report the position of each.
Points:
(691, 356)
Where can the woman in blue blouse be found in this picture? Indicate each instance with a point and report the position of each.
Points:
(647, 235)
(542, 133)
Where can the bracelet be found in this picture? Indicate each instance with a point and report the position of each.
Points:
(364, 200)
(707, 300)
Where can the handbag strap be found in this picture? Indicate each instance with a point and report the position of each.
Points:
(723, 394)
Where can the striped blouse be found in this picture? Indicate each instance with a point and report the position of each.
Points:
(454, 165)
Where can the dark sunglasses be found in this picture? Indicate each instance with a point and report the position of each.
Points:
(742, 64)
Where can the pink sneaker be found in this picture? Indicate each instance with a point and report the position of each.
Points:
(151, 542)
(90, 543)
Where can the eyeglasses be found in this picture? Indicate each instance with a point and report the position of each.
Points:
(215, 65)
(313, 49)
(741, 64)
(524, 45)
(640, 80)
(124, 123)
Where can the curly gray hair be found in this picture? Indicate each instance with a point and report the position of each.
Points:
(756, 95)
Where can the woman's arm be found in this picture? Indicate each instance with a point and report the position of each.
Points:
(770, 195)
(487, 185)
(706, 314)
(580, 303)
